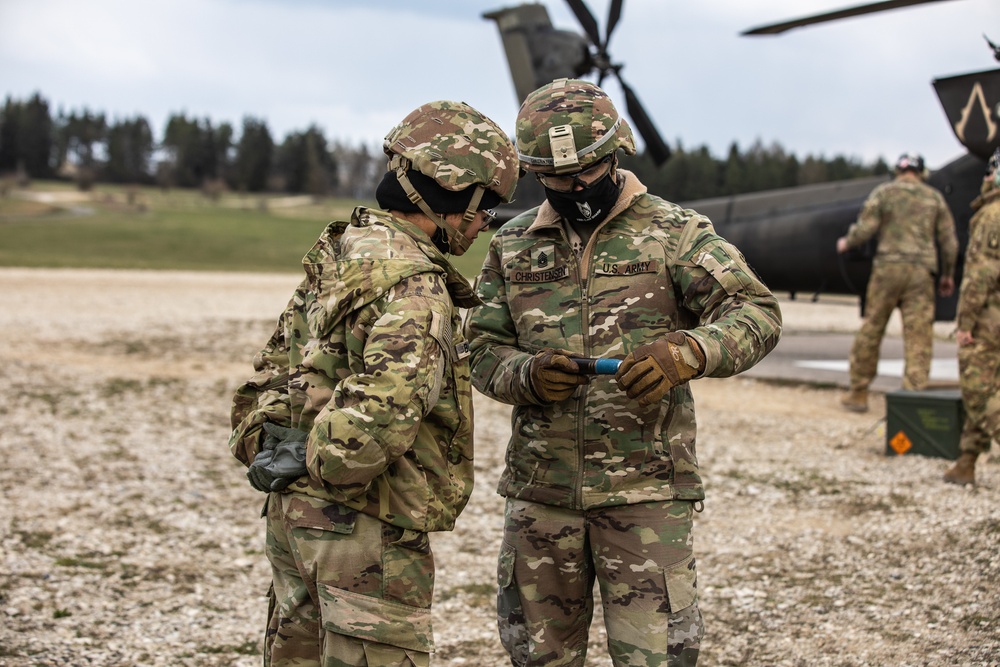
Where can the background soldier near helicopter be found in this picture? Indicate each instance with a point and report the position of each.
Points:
(358, 421)
(911, 221)
(978, 333)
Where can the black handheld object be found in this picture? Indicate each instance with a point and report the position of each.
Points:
(591, 366)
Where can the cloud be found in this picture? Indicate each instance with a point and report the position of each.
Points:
(859, 87)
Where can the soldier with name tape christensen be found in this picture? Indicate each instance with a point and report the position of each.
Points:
(601, 478)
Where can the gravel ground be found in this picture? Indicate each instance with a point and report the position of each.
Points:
(129, 536)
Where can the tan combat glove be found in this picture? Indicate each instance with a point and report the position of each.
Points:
(650, 371)
(553, 376)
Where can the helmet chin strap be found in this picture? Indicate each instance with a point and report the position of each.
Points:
(458, 243)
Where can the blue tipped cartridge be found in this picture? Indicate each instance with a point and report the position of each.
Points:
(597, 366)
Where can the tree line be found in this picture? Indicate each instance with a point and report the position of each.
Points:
(87, 147)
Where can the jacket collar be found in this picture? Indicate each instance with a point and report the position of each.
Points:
(631, 190)
(982, 200)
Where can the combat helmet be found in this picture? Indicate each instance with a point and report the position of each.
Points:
(567, 125)
(458, 148)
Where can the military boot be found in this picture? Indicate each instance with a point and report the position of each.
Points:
(855, 400)
(964, 470)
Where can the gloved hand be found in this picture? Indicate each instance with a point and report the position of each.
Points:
(281, 461)
(553, 376)
(650, 371)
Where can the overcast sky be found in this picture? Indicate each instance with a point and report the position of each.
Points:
(859, 87)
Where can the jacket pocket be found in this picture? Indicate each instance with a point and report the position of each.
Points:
(375, 620)
(308, 512)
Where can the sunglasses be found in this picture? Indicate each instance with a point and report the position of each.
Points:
(583, 178)
(489, 217)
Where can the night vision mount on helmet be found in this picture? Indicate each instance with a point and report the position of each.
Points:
(567, 126)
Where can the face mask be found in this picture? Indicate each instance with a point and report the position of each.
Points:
(587, 206)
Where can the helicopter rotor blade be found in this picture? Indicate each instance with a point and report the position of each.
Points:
(587, 20)
(778, 28)
(994, 47)
(655, 146)
(614, 13)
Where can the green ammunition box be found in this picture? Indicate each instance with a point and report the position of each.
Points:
(925, 422)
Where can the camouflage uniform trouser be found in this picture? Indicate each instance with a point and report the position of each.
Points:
(979, 377)
(348, 590)
(641, 555)
(911, 289)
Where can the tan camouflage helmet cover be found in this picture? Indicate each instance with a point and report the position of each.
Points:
(567, 125)
(457, 146)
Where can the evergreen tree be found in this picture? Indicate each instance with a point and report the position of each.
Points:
(305, 164)
(80, 136)
(196, 151)
(254, 154)
(26, 130)
(129, 150)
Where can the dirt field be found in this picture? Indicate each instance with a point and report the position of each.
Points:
(129, 536)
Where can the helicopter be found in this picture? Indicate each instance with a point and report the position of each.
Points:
(789, 235)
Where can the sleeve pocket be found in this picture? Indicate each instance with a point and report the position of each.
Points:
(375, 620)
(729, 274)
(441, 332)
(682, 584)
(484, 369)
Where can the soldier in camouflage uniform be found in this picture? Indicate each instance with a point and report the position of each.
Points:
(358, 420)
(978, 333)
(907, 216)
(601, 475)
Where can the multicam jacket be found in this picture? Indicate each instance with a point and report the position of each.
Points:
(650, 268)
(907, 216)
(368, 358)
(979, 297)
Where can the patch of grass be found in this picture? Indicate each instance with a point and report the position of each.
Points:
(61, 613)
(480, 593)
(978, 621)
(79, 562)
(788, 382)
(120, 387)
(53, 400)
(987, 527)
(856, 506)
(249, 647)
(175, 230)
(808, 482)
(34, 540)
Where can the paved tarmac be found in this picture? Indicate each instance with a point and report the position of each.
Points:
(821, 358)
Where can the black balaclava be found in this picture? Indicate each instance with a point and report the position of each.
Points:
(589, 206)
(390, 196)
